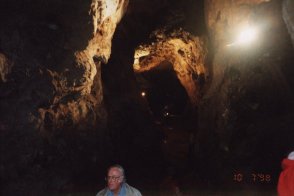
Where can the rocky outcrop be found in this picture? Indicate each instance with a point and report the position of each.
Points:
(185, 52)
(85, 109)
(62, 49)
(52, 117)
(250, 86)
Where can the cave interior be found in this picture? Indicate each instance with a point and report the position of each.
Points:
(165, 88)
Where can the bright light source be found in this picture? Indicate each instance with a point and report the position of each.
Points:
(143, 94)
(246, 36)
(166, 114)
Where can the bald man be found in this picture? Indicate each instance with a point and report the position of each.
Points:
(116, 185)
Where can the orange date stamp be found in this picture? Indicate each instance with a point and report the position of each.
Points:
(253, 177)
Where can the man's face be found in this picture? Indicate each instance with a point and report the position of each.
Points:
(114, 179)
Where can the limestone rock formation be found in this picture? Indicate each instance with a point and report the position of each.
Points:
(62, 58)
(105, 16)
(250, 87)
(185, 52)
(52, 114)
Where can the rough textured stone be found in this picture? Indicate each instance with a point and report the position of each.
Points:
(64, 54)
(185, 52)
(249, 89)
(105, 16)
(52, 113)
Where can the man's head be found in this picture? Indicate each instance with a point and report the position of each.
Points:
(115, 177)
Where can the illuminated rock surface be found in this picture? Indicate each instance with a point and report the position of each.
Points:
(186, 54)
(250, 98)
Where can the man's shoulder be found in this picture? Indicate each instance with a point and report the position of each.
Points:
(132, 190)
(102, 192)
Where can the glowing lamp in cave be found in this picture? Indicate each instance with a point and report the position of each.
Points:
(143, 94)
(166, 114)
(246, 36)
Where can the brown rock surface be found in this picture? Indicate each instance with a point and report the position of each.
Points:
(60, 47)
(250, 86)
(185, 52)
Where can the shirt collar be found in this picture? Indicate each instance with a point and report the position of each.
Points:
(122, 191)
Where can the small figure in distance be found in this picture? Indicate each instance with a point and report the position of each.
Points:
(116, 183)
(286, 179)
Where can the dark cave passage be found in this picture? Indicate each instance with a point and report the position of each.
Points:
(170, 108)
(165, 95)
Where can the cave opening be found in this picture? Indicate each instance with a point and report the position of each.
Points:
(174, 117)
(165, 96)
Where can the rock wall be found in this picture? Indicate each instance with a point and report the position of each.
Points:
(249, 98)
(53, 57)
(185, 52)
(52, 117)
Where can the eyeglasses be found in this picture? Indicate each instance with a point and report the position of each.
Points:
(114, 178)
